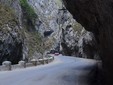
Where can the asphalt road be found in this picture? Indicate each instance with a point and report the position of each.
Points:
(62, 71)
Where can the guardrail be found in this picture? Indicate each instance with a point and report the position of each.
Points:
(6, 65)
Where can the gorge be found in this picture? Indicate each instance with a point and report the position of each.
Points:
(29, 29)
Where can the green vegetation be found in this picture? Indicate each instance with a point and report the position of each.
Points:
(6, 16)
(28, 11)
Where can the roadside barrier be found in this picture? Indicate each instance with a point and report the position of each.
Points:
(6, 65)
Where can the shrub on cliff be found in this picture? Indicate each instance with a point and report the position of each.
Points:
(28, 11)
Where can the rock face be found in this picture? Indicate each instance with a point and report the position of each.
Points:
(76, 41)
(51, 21)
(30, 43)
(10, 37)
(10, 45)
(54, 28)
(11, 42)
(97, 16)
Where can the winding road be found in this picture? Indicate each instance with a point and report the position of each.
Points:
(62, 71)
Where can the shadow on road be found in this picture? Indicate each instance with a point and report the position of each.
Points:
(96, 77)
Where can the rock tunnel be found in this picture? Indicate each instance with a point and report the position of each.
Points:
(97, 17)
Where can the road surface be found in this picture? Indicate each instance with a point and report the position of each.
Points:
(62, 71)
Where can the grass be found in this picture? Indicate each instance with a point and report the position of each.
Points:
(28, 11)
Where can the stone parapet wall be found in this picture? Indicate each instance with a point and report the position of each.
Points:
(22, 64)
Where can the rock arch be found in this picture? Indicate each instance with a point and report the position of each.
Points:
(97, 17)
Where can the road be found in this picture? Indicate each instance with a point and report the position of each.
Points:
(62, 71)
